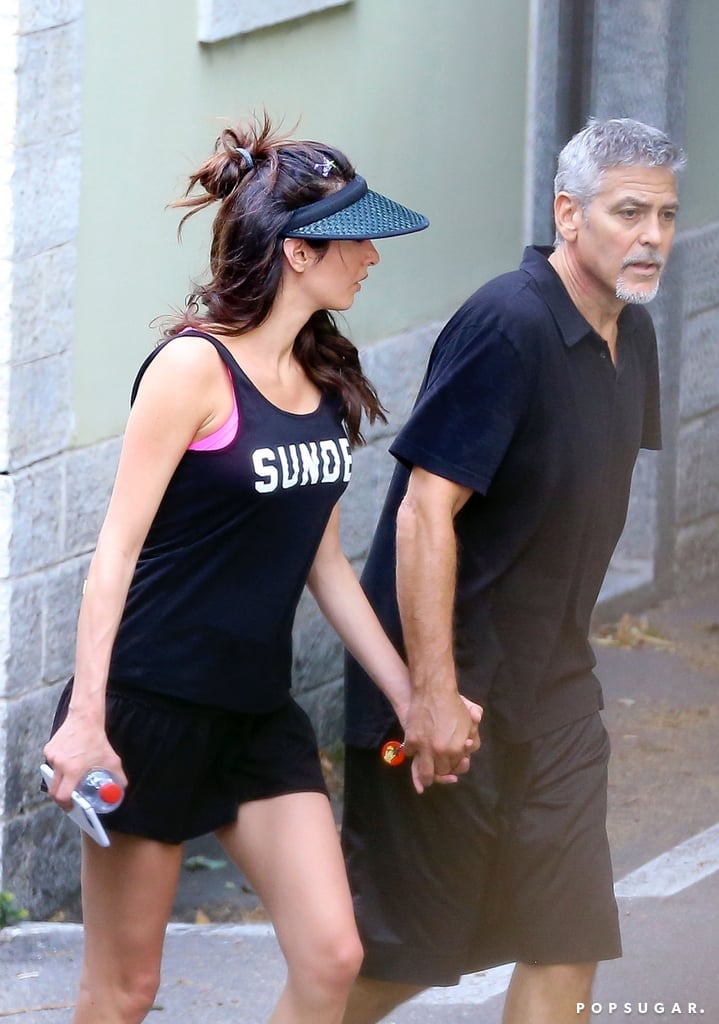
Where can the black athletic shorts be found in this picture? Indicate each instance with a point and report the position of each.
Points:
(190, 766)
(509, 864)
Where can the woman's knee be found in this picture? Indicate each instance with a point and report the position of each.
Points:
(341, 962)
(141, 994)
(331, 966)
(349, 960)
(128, 998)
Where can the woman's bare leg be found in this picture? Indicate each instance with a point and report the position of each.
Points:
(128, 891)
(289, 849)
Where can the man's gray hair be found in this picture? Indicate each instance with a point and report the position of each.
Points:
(613, 143)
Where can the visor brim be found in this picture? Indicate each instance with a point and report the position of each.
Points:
(372, 216)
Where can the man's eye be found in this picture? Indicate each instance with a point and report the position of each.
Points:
(628, 214)
(669, 215)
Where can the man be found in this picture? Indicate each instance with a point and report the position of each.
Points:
(509, 498)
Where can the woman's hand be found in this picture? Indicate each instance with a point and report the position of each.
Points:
(475, 713)
(77, 746)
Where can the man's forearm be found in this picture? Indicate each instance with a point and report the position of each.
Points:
(426, 578)
(440, 727)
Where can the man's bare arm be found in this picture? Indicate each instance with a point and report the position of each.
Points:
(439, 721)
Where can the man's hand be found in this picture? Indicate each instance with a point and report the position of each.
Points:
(442, 731)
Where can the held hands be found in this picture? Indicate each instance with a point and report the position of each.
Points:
(442, 731)
(77, 746)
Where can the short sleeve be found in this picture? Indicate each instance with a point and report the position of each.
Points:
(652, 426)
(472, 401)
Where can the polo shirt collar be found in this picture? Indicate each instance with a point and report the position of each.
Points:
(572, 325)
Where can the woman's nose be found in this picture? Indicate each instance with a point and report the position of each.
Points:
(371, 255)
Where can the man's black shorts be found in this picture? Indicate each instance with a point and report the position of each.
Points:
(510, 864)
(189, 766)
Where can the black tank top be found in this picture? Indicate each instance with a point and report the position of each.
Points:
(210, 609)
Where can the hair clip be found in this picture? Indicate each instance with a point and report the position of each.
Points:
(246, 156)
(325, 168)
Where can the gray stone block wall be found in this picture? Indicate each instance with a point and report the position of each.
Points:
(56, 507)
(638, 539)
(696, 555)
(41, 563)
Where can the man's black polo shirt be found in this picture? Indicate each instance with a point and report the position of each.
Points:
(522, 404)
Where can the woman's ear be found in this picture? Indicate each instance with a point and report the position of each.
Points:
(297, 254)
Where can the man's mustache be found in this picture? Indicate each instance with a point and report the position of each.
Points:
(647, 255)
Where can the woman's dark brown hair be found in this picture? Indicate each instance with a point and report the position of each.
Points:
(256, 198)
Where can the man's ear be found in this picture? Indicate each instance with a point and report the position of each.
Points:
(297, 254)
(568, 215)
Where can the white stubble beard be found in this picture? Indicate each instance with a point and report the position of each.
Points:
(627, 294)
(624, 291)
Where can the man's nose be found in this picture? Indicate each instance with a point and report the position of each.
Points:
(651, 233)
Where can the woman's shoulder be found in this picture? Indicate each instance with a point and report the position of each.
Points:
(185, 354)
(181, 366)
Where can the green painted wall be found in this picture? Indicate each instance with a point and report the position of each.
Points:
(427, 97)
(700, 195)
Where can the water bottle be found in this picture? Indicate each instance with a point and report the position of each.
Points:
(102, 790)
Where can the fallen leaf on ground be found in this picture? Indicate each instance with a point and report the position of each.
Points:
(202, 863)
(630, 631)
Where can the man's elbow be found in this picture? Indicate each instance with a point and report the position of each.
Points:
(408, 518)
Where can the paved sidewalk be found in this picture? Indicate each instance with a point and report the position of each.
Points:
(213, 974)
(660, 673)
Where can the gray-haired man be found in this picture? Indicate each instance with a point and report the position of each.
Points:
(510, 495)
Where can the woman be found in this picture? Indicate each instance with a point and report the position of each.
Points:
(237, 449)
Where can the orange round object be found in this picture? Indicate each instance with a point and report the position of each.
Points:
(111, 792)
(393, 753)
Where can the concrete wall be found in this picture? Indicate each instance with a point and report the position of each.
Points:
(696, 472)
(651, 35)
(41, 548)
(696, 469)
(700, 202)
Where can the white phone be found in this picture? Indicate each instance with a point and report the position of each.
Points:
(82, 813)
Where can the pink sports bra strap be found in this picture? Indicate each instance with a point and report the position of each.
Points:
(225, 434)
